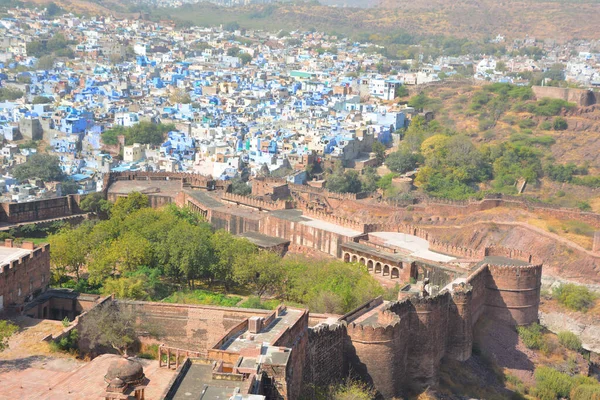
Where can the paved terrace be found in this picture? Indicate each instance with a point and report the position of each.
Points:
(415, 246)
(8, 254)
(286, 319)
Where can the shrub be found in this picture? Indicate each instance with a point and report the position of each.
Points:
(149, 352)
(68, 343)
(65, 322)
(532, 336)
(586, 392)
(575, 297)
(545, 126)
(560, 124)
(527, 123)
(551, 384)
(584, 206)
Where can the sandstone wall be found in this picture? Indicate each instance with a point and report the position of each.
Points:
(460, 323)
(304, 235)
(513, 293)
(581, 97)
(428, 329)
(478, 280)
(374, 354)
(24, 278)
(38, 210)
(325, 364)
(191, 327)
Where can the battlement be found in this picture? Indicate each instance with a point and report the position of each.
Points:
(373, 334)
(430, 302)
(348, 223)
(461, 293)
(324, 330)
(514, 270)
(8, 265)
(256, 203)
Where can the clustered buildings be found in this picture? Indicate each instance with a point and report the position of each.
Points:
(239, 102)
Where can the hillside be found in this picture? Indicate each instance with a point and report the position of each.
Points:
(560, 20)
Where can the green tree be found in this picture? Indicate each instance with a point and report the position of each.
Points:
(245, 58)
(402, 161)
(10, 94)
(125, 287)
(238, 186)
(233, 51)
(45, 62)
(125, 206)
(109, 325)
(228, 250)
(69, 251)
(379, 150)
(43, 166)
(189, 252)
(261, 271)
(95, 202)
(369, 180)
(41, 100)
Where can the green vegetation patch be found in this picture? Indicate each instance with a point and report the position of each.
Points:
(203, 297)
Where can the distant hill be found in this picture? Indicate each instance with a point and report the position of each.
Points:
(554, 19)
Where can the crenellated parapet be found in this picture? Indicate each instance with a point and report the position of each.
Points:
(256, 203)
(334, 219)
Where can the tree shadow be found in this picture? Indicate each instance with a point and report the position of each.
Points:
(20, 364)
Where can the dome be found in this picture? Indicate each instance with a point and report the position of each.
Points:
(125, 370)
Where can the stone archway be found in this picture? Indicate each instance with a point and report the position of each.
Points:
(378, 268)
(395, 273)
(363, 261)
(386, 270)
(370, 265)
(354, 258)
(346, 257)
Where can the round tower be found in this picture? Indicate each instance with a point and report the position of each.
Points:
(377, 355)
(513, 293)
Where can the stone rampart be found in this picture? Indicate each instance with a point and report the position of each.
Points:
(23, 278)
(460, 323)
(428, 330)
(325, 364)
(334, 219)
(191, 327)
(377, 354)
(256, 203)
(581, 97)
(478, 280)
(513, 293)
(38, 210)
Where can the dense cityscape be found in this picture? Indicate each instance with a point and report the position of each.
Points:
(225, 212)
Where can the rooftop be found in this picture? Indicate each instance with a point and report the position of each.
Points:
(198, 383)
(9, 254)
(242, 341)
(263, 241)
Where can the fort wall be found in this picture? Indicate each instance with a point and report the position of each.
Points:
(190, 326)
(376, 353)
(513, 293)
(581, 97)
(325, 363)
(428, 329)
(460, 323)
(23, 278)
